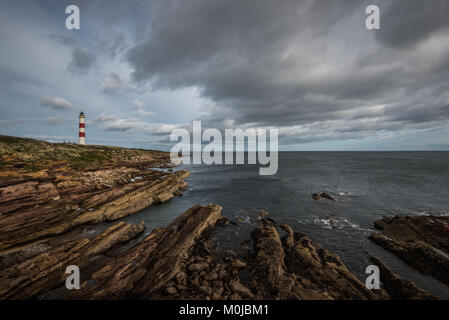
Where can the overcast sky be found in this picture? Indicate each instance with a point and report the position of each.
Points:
(139, 69)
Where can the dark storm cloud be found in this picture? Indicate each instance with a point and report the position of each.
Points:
(272, 63)
(233, 51)
(82, 59)
(407, 22)
(309, 63)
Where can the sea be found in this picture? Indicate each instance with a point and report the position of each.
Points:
(366, 187)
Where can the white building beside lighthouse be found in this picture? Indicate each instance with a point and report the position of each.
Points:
(82, 126)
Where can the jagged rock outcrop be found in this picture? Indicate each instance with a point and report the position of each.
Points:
(45, 271)
(323, 195)
(418, 255)
(433, 230)
(150, 264)
(297, 268)
(49, 209)
(291, 268)
(397, 287)
(420, 241)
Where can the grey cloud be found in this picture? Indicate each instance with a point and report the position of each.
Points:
(10, 122)
(57, 103)
(113, 84)
(82, 59)
(57, 120)
(405, 23)
(50, 121)
(308, 67)
(296, 63)
(132, 125)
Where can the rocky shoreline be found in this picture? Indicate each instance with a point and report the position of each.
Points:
(50, 192)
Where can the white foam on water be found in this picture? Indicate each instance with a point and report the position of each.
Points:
(334, 223)
(324, 223)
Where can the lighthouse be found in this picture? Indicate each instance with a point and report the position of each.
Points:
(82, 133)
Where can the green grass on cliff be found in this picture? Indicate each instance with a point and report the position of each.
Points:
(32, 154)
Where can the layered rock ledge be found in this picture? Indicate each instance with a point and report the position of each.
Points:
(57, 187)
(49, 193)
(420, 241)
(43, 272)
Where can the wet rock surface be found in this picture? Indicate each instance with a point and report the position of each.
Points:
(321, 196)
(297, 268)
(433, 230)
(397, 287)
(45, 271)
(420, 241)
(155, 264)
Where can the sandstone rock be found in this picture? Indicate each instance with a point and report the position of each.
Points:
(398, 288)
(223, 222)
(146, 267)
(171, 290)
(47, 270)
(420, 241)
(234, 296)
(206, 290)
(418, 255)
(199, 259)
(31, 222)
(433, 230)
(205, 283)
(211, 276)
(181, 287)
(217, 293)
(241, 290)
(181, 278)
(316, 196)
(296, 267)
(327, 196)
(287, 229)
(238, 264)
(198, 266)
(222, 274)
(196, 282)
(263, 213)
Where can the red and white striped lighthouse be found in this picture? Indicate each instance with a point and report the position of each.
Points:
(82, 133)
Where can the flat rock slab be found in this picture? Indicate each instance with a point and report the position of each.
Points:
(145, 268)
(46, 271)
(422, 242)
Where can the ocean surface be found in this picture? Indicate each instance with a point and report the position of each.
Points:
(366, 185)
